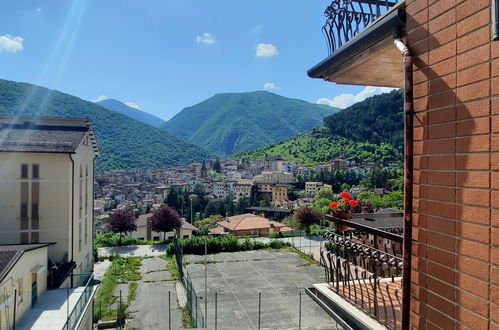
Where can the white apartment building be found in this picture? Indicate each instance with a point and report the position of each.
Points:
(274, 177)
(46, 186)
(313, 187)
(241, 191)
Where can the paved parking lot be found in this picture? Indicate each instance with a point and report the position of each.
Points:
(239, 277)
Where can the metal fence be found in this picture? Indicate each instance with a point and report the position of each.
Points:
(87, 280)
(193, 300)
(204, 315)
(194, 303)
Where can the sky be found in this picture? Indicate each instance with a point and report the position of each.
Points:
(164, 55)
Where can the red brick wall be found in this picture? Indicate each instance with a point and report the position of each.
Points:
(456, 192)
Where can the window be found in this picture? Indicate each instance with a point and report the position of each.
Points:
(35, 173)
(34, 211)
(20, 291)
(86, 196)
(24, 171)
(24, 210)
(86, 231)
(79, 236)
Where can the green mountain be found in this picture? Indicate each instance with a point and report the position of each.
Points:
(376, 119)
(228, 123)
(371, 130)
(124, 142)
(136, 114)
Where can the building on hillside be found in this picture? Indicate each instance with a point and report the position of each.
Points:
(144, 231)
(249, 225)
(241, 191)
(445, 55)
(46, 186)
(279, 193)
(222, 189)
(313, 187)
(274, 177)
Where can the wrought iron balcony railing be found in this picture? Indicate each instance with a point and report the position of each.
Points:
(363, 265)
(346, 18)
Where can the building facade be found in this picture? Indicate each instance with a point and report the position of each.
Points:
(46, 186)
(445, 54)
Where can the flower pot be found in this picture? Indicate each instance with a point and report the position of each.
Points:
(342, 215)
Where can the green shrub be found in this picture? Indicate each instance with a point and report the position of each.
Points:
(111, 239)
(228, 243)
(278, 244)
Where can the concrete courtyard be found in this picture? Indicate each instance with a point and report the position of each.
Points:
(239, 277)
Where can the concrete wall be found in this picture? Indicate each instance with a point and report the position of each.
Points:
(54, 195)
(455, 258)
(55, 203)
(83, 207)
(22, 272)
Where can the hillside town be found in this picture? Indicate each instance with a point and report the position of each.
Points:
(267, 180)
(377, 208)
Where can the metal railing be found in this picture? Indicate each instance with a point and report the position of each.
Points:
(366, 275)
(346, 18)
(87, 280)
(193, 303)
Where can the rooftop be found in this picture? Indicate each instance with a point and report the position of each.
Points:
(43, 134)
(10, 255)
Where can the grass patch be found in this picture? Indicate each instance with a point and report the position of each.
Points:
(172, 266)
(122, 270)
(186, 318)
(132, 291)
(203, 262)
(309, 260)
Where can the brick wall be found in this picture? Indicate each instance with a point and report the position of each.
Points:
(456, 192)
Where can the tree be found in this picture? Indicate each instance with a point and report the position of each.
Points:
(122, 222)
(164, 219)
(345, 187)
(208, 223)
(321, 205)
(307, 216)
(216, 166)
(325, 193)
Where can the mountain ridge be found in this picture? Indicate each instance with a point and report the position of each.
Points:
(230, 122)
(140, 115)
(123, 141)
(371, 130)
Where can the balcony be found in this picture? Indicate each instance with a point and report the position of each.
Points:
(363, 271)
(359, 35)
(66, 308)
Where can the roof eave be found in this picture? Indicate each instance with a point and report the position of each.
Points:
(390, 23)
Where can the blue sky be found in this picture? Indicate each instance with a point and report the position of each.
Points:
(164, 55)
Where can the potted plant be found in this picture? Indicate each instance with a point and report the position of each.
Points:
(343, 209)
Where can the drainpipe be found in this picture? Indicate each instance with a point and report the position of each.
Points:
(408, 184)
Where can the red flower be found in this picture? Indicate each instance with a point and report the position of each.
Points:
(346, 200)
(345, 195)
(333, 205)
(353, 202)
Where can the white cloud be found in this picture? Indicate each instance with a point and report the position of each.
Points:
(266, 50)
(11, 44)
(100, 98)
(271, 85)
(133, 105)
(345, 100)
(206, 38)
